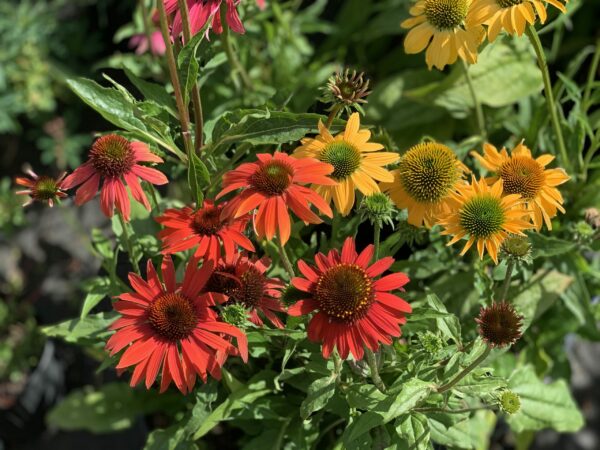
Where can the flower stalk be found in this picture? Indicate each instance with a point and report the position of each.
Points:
(478, 108)
(234, 61)
(465, 371)
(552, 109)
(182, 111)
(128, 245)
(285, 259)
(372, 362)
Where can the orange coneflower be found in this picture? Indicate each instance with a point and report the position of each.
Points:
(273, 184)
(244, 281)
(357, 162)
(115, 160)
(171, 325)
(482, 214)
(354, 307)
(522, 174)
(41, 188)
(205, 228)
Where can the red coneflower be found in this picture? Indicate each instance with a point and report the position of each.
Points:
(203, 11)
(172, 325)
(271, 185)
(244, 281)
(41, 188)
(205, 228)
(354, 308)
(115, 159)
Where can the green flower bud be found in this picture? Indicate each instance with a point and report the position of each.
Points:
(509, 402)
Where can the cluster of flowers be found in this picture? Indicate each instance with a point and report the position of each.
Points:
(449, 29)
(179, 326)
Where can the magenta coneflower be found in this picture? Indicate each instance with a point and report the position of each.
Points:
(115, 160)
(203, 11)
(139, 42)
(41, 188)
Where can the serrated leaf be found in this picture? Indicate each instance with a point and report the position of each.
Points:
(154, 92)
(473, 433)
(414, 429)
(319, 393)
(198, 178)
(543, 405)
(188, 65)
(547, 246)
(93, 327)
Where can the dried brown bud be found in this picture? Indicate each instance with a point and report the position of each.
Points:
(499, 324)
(348, 88)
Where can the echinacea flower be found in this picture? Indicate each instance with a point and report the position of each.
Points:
(357, 162)
(522, 174)
(481, 213)
(442, 27)
(204, 229)
(115, 160)
(273, 184)
(513, 16)
(348, 89)
(499, 325)
(41, 188)
(244, 282)
(426, 176)
(140, 43)
(203, 11)
(170, 325)
(354, 307)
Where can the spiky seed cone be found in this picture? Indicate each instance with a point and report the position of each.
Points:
(499, 324)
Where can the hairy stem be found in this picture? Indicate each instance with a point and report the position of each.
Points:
(234, 61)
(184, 117)
(507, 278)
(284, 258)
(376, 238)
(332, 115)
(196, 99)
(128, 245)
(465, 372)
(372, 361)
(478, 108)
(552, 109)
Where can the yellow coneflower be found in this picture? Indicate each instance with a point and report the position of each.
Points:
(357, 162)
(509, 15)
(482, 214)
(427, 174)
(442, 28)
(524, 175)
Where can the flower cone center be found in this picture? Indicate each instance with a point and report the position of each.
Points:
(173, 316)
(499, 324)
(482, 216)
(428, 172)
(273, 178)
(251, 289)
(344, 158)
(207, 221)
(112, 156)
(522, 175)
(446, 14)
(223, 281)
(345, 292)
(45, 188)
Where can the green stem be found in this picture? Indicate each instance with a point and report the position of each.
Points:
(147, 28)
(478, 108)
(234, 62)
(465, 372)
(129, 245)
(196, 99)
(453, 411)
(155, 198)
(284, 258)
(184, 118)
(507, 278)
(337, 365)
(372, 361)
(376, 238)
(591, 77)
(332, 115)
(552, 109)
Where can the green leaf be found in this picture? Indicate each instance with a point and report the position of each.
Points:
(97, 289)
(412, 393)
(118, 109)
(546, 246)
(449, 325)
(93, 327)
(257, 387)
(543, 405)
(198, 178)
(115, 406)
(473, 433)
(260, 127)
(414, 429)
(188, 66)
(154, 92)
(319, 393)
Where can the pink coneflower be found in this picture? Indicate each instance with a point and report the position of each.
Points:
(171, 325)
(204, 229)
(139, 42)
(203, 11)
(41, 188)
(115, 160)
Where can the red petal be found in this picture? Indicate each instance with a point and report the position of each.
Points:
(378, 267)
(303, 307)
(391, 282)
